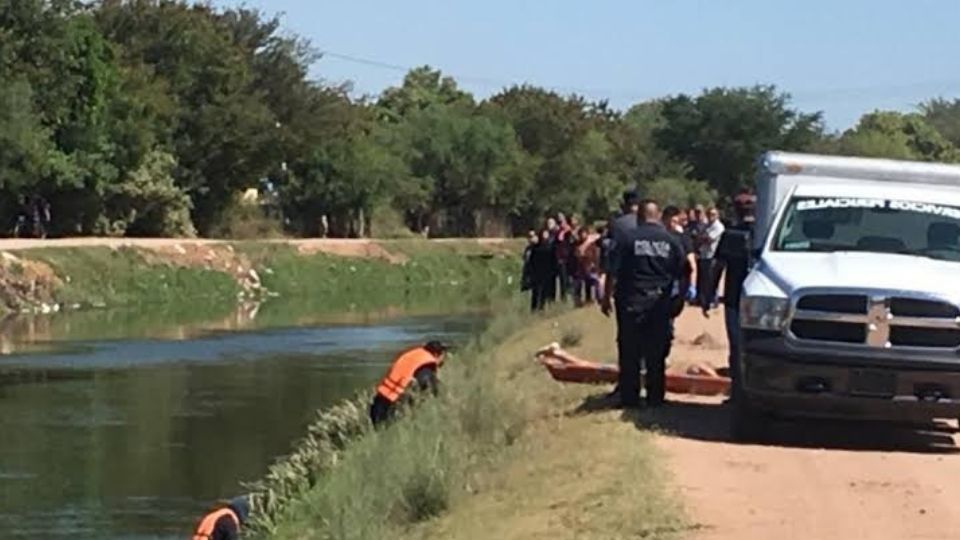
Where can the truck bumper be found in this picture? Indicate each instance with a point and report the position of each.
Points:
(786, 381)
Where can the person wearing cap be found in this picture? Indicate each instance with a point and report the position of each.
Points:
(416, 368)
(735, 242)
(224, 522)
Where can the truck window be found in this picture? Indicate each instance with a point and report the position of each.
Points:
(873, 225)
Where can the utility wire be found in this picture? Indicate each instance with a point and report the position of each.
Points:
(809, 94)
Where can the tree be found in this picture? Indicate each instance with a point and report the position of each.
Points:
(894, 135)
(422, 88)
(470, 162)
(223, 129)
(147, 202)
(944, 115)
(568, 141)
(721, 132)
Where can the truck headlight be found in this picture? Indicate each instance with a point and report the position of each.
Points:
(764, 313)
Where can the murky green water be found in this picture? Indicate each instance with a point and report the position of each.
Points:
(128, 424)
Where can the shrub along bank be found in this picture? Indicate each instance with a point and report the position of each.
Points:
(500, 454)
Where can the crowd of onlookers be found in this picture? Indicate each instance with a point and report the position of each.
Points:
(562, 260)
(565, 259)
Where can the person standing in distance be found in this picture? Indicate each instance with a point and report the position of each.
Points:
(734, 251)
(624, 221)
(685, 290)
(645, 262)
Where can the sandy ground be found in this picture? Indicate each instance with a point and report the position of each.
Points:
(813, 480)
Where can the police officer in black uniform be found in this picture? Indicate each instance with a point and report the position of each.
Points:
(644, 263)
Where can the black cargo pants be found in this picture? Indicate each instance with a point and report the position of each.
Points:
(643, 334)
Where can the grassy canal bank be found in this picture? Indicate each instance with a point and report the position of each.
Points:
(503, 453)
(214, 277)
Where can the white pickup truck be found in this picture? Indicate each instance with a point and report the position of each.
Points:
(852, 308)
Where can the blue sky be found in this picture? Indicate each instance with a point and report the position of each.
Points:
(844, 57)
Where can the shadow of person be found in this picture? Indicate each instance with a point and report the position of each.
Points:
(710, 422)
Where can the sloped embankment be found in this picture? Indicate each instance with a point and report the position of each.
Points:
(503, 453)
(158, 272)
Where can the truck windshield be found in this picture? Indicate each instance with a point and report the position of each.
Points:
(874, 225)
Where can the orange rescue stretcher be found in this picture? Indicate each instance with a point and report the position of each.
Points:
(564, 367)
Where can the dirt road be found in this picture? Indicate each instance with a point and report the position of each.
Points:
(812, 480)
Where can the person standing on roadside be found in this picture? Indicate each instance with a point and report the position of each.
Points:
(624, 221)
(564, 244)
(586, 280)
(526, 276)
(685, 289)
(734, 250)
(543, 272)
(644, 263)
(707, 270)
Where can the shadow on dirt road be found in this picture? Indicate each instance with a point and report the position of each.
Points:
(710, 422)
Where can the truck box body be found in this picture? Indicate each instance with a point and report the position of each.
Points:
(852, 307)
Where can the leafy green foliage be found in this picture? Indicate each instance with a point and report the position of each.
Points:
(149, 117)
(721, 132)
(148, 202)
(897, 136)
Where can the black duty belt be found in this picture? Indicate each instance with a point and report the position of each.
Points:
(652, 292)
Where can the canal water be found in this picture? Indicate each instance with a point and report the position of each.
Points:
(127, 425)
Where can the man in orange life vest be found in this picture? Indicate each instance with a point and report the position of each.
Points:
(224, 522)
(415, 366)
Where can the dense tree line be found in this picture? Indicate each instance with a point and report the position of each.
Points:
(149, 117)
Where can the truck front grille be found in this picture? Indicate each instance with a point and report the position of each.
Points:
(834, 303)
(830, 331)
(876, 321)
(909, 336)
(912, 307)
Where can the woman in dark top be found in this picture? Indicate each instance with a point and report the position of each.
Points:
(543, 272)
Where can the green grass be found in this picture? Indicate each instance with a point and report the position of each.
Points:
(320, 283)
(495, 456)
(99, 276)
(322, 279)
(346, 481)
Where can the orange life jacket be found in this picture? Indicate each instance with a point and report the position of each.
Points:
(209, 522)
(401, 372)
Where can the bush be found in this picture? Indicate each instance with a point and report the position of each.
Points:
(148, 202)
(245, 221)
(386, 222)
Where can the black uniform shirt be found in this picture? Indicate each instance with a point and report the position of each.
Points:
(617, 225)
(644, 259)
(687, 244)
(738, 266)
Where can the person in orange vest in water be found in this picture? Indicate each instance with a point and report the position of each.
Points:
(415, 366)
(224, 523)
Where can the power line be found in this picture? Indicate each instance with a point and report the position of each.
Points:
(807, 94)
(481, 81)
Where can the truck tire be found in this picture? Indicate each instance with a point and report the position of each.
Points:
(748, 424)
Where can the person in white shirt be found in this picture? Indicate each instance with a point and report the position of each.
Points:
(707, 271)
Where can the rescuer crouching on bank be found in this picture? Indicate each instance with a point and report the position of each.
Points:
(417, 366)
(224, 522)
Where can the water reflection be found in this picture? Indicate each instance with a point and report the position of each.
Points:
(127, 425)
